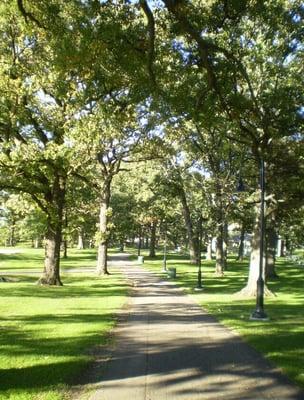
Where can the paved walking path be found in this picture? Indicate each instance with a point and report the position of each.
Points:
(168, 348)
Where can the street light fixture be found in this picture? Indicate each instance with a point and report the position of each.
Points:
(259, 313)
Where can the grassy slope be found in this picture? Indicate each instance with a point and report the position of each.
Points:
(282, 338)
(45, 333)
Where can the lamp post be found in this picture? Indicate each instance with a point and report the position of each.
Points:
(165, 250)
(139, 241)
(199, 273)
(259, 313)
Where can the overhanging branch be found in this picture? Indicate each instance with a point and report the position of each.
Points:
(27, 15)
(151, 28)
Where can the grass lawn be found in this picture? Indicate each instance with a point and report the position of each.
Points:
(282, 338)
(46, 332)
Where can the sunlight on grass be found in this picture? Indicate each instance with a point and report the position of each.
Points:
(46, 332)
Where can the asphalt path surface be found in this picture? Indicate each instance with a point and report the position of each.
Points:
(168, 348)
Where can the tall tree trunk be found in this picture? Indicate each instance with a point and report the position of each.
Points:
(250, 289)
(281, 248)
(80, 245)
(240, 256)
(139, 241)
(102, 265)
(192, 239)
(37, 242)
(12, 239)
(209, 249)
(220, 259)
(65, 248)
(271, 246)
(225, 244)
(53, 237)
(220, 255)
(51, 273)
(152, 239)
(65, 241)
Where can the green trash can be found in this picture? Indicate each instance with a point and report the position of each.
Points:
(140, 259)
(172, 272)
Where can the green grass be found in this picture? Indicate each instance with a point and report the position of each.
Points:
(46, 332)
(282, 338)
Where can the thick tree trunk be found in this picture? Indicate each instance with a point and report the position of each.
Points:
(65, 248)
(80, 245)
(192, 240)
(37, 243)
(250, 290)
(102, 265)
(51, 273)
(152, 240)
(271, 246)
(281, 248)
(240, 256)
(220, 254)
(209, 249)
(220, 259)
(53, 237)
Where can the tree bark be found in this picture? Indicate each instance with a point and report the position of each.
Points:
(281, 248)
(220, 254)
(51, 273)
(220, 259)
(209, 249)
(53, 237)
(250, 290)
(102, 265)
(271, 246)
(192, 239)
(240, 256)
(80, 245)
(65, 248)
(37, 242)
(12, 239)
(152, 239)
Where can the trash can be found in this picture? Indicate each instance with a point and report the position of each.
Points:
(172, 272)
(140, 259)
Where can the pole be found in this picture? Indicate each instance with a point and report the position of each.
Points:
(259, 313)
(139, 241)
(165, 250)
(199, 273)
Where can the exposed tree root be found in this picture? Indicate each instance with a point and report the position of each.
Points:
(251, 291)
(103, 273)
(45, 281)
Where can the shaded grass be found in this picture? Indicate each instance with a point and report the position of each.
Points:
(281, 339)
(46, 332)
